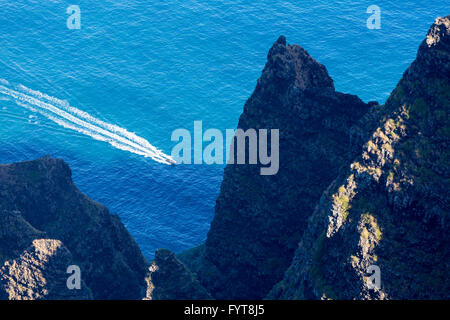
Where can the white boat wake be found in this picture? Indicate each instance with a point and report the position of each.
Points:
(63, 114)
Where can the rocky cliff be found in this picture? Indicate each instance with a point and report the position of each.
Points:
(390, 207)
(169, 279)
(360, 187)
(40, 273)
(259, 219)
(47, 224)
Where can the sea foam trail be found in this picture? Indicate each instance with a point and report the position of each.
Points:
(60, 112)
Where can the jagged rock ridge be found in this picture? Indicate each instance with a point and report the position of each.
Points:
(258, 219)
(169, 279)
(390, 208)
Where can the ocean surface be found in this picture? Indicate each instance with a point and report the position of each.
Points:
(107, 97)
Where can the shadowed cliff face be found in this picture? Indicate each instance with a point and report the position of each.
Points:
(169, 279)
(390, 208)
(47, 225)
(259, 219)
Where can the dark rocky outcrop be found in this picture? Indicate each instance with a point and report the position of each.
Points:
(390, 208)
(47, 224)
(169, 279)
(258, 219)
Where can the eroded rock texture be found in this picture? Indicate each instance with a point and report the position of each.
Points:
(169, 279)
(259, 219)
(390, 208)
(47, 224)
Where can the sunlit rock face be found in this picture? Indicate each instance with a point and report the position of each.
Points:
(390, 208)
(40, 273)
(47, 224)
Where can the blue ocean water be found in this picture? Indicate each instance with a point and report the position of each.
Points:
(153, 67)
